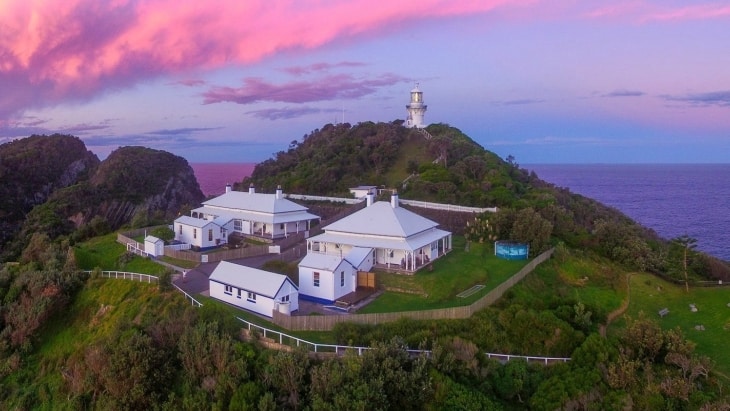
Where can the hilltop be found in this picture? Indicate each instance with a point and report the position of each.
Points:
(53, 186)
(442, 164)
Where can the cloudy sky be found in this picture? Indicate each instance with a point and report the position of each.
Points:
(558, 81)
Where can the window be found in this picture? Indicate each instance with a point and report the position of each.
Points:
(239, 293)
(281, 226)
(285, 298)
(316, 279)
(179, 229)
(229, 290)
(342, 278)
(210, 234)
(237, 225)
(251, 297)
(195, 233)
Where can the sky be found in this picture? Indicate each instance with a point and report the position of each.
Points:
(558, 81)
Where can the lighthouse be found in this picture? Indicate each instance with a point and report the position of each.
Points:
(416, 109)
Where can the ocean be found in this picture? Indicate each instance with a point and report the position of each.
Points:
(671, 199)
(213, 177)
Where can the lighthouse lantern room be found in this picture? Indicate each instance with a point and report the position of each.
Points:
(416, 109)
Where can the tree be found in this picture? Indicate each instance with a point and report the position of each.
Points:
(688, 245)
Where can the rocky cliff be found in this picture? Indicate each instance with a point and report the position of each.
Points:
(53, 185)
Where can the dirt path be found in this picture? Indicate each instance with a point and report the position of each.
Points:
(620, 310)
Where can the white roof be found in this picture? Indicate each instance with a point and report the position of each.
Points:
(382, 219)
(362, 187)
(229, 214)
(357, 255)
(250, 279)
(255, 202)
(193, 222)
(321, 261)
(152, 239)
(390, 243)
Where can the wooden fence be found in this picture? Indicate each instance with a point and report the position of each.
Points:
(327, 322)
(219, 255)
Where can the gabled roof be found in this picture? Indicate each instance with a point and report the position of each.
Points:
(193, 222)
(152, 239)
(250, 279)
(381, 219)
(256, 202)
(319, 261)
(357, 255)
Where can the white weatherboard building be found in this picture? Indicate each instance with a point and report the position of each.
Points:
(154, 246)
(327, 277)
(252, 289)
(394, 237)
(245, 213)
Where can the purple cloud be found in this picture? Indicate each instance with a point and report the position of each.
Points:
(712, 98)
(624, 93)
(181, 131)
(288, 112)
(317, 67)
(327, 88)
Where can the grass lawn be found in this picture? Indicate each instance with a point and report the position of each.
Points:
(596, 282)
(452, 274)
(319, 337)
(104, 252)
(650, 294)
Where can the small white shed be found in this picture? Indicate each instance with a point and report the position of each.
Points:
(154, 246)
(252, 289)
(324, 278)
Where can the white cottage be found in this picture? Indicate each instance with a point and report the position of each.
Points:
(399, 238)
(201, 233)
(325, 278)
(252, 289)
(246, 213)
(362, 191)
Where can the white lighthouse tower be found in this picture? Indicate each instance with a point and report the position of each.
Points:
(416, 109)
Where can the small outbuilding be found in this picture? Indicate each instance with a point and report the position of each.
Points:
(252, 289)
(154, 246)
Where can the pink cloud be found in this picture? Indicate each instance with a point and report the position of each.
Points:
(326, 88)
(645, 11)
(53, 51)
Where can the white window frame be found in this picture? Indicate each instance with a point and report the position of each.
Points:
(251, 297)
(228, 289)
(315, 279)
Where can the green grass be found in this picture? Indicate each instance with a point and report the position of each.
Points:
(97, 310)
(452, 274)
(179, 263)
(104, 252)
(650, 294)
(319, 337)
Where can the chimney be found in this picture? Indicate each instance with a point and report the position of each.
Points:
(279, 194)
(228, 188)
(251, 189)
(370, 198)
(394, 199)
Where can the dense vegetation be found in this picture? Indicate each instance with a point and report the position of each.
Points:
(53, 186)
(72, 340)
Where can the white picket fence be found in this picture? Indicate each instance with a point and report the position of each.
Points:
(290, 340)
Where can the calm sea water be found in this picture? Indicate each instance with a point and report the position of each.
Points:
(213, 177)
(672, 199)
